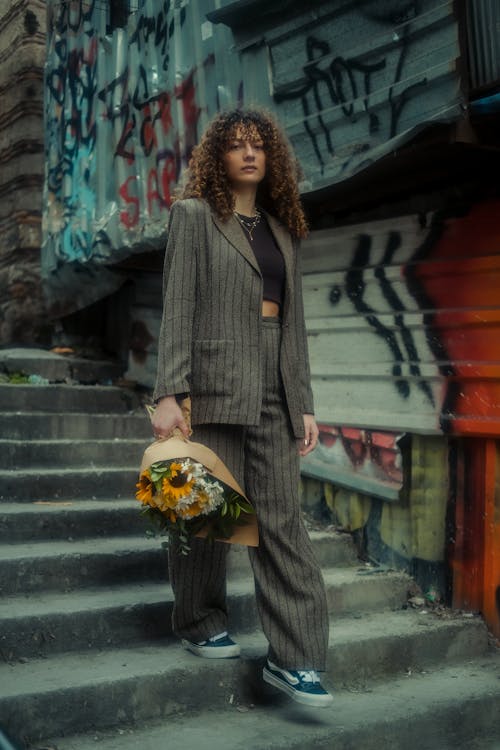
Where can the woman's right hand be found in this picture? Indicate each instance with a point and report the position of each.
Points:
(166, 416)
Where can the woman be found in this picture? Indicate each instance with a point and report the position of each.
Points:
(233, 339)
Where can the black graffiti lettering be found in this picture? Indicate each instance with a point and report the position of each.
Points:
(335, 294)
(160, 28)
(72, 15)
(340, 72)
(71, 84)
(109, 95)
(82, 87)
(137, 107)
(344, 80)
(56, 78)
(355, 290)
(390, 294)
(425, 302)
(140, 97)
(398, 103)
(126, 135)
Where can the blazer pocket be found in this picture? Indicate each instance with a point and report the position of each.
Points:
(213, 367)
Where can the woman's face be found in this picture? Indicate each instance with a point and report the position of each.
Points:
(245, 158)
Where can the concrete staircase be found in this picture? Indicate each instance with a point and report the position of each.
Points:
(87, 654)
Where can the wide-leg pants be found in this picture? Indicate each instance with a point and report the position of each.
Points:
(289, 587)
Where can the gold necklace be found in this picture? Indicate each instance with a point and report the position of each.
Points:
(249, 222)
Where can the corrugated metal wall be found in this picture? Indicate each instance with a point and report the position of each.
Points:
(349, 81)
(404, 323)
(124, 106)
(483, 27)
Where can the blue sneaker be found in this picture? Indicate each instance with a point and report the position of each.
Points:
(220, 646)
(302, 685)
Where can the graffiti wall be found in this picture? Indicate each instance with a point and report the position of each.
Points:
(127, 95)
(403, 318)
(353, 81)
(369, 461)
(123, 109)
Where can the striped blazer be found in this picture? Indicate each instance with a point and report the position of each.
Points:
(209, 344)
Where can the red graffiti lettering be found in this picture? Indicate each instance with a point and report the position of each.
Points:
(154, 192)
(165, 113)
(126, 135)
(129, 218)
(168, 176)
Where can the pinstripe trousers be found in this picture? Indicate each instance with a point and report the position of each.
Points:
(289, 587)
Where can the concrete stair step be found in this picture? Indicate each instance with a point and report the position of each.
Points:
(80, 426)
(22, 454)
(63, 398)
(450, 708)
(118, 687)
(68, 520)
(57, 367)
(71, 520)
(49, 622)
(62, 565)
(68, 484)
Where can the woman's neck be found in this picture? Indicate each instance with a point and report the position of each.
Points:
(244, 202)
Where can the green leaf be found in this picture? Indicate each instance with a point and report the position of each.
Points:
(246, 507)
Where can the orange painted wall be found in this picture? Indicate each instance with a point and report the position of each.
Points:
(461, 275)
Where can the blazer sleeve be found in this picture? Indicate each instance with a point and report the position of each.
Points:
(304, 370)
(179, 299)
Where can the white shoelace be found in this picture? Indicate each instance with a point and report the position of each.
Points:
(213, 639)
(305, 675)
(308, 676)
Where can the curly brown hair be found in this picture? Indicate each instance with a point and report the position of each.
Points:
(278, 193)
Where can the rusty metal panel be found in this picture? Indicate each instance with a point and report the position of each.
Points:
(483, 30)
(475, 548)
(404, 323)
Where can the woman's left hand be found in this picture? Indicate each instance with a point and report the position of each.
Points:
(310, 440)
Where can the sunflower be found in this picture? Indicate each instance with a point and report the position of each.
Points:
(145, 488)
(190, 511)
(175, 469)
(177, 485)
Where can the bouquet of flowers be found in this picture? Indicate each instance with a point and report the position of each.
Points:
(187, 491)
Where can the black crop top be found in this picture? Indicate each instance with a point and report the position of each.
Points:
(270, 260)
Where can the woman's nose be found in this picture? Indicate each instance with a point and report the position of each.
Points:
(249, 151)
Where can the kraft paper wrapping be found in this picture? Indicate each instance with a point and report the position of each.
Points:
(177, 446)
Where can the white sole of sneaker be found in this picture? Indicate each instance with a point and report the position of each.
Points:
(307, 699)
(212, 652)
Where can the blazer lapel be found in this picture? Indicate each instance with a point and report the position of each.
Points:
(234, 233)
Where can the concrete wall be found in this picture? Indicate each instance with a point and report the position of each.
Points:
(22, 55)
